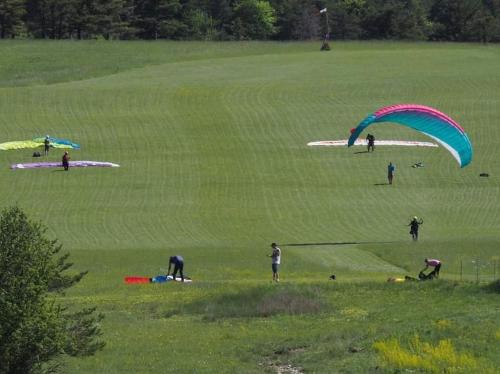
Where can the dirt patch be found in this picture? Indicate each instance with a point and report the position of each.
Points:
(288, 303)
(284, 351)
(288, 369)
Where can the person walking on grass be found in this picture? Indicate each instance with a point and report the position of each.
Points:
(436, 264)
(65, 161)
(371, 142)
(178, 263)
(414, 225)
(390, 172)
(276, 260)
(46, 145)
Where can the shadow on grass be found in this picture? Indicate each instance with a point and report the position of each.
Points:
(381, 184)
(358, 152)
(493, 287)
(264, 301)
(331, 243)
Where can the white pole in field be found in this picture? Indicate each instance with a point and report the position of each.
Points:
(461, 270)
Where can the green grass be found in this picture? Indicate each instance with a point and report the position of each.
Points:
(211, 139)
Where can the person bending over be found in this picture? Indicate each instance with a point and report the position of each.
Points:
(436, 264)
(178, 263)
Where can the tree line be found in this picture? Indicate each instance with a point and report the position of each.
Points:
(448, 20)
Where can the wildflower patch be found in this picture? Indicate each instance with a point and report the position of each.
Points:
(419, 355)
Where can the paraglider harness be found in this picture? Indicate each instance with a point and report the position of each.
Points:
(422, 276)
(430, 276)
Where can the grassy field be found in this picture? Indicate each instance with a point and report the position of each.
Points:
(211, 139)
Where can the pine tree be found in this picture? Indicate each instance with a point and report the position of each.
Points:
(34, 328)
(11, 17)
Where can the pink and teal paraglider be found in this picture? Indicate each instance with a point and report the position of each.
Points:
(426, 120)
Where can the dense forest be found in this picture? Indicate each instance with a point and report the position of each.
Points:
(452, 20)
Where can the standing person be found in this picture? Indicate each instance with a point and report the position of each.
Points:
(46, 144)
(371, 142)
(414, 224)
(178, 263)
(390, 172)
(434, 263)
(276, 260)
(65, 161)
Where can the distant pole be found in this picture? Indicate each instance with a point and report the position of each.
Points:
(477, 270)
(327, 36)
(325, 46)
(461, 270)
(494, 270)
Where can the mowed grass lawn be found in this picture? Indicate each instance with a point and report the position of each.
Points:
(211, 139)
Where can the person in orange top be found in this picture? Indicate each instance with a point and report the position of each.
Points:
(65, 161)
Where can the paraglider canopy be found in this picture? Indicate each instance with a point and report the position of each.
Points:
(39, 142)
(426, 120)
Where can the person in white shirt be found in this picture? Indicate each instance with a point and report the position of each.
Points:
(276, 260)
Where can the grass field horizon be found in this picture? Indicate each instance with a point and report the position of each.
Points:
(211, 139)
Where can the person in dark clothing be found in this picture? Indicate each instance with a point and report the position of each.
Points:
(178, 263)
(371, 142)
(390, 172)
(65, 161)
(414, 224)
(46, 144)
